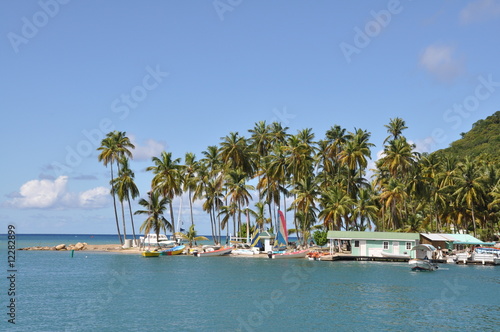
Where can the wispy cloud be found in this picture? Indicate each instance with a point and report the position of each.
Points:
(149, 149)
(480, 10)
(441, 62)
(52, 194)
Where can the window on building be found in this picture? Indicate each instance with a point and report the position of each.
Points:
(386, 245)
(356, 244)
(408, 245)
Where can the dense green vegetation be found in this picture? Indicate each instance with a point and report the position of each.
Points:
(325, 182)
(483, 138)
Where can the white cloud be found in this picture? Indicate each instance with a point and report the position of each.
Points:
(52, 194)
(441, 62)
(40, 193)
(94, 198)
(479, 10)
(423, 145)
(151, 148)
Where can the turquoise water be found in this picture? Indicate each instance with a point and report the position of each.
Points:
(120, 292)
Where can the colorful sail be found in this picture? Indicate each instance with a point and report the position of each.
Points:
(282, 235)
(255, 239)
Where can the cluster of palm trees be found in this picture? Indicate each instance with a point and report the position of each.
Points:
(435, 192)
(323, 182)
(115, 149)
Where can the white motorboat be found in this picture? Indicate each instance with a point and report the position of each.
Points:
(422, 265)
(246, 252)
(423, 262)
(153, 240)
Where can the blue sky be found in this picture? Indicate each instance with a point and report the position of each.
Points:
(179, 75)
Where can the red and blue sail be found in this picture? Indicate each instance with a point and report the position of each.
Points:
(282, 235)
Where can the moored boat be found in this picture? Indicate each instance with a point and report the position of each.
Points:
(315, 256)
(177, 250)
(245, 252)
(398, 256)
(219, 252)
(422, 265)
(480, 255)
(286, 255)
(149, 253)
(422, 261)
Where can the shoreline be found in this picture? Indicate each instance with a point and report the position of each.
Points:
(118, 249)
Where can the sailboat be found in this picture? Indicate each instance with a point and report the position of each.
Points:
(281, 242)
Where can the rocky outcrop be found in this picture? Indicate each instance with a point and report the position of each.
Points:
(60, 247)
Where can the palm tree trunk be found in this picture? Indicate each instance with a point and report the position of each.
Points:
(131, 219)
(239, 218)
(270, 212)
(172, 218)
(473, 219)
(191, 207)
(114, 206)
(123, 221)
(218, 226)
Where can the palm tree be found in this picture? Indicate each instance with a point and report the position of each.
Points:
(190, 179)
(238, 192)
(259, 215)
(154, 207)
(365, 209)
(355, 153)
(115, 145)
(126, 189)
(393, 199)
(167, 179)
(299, 161)
(469, 186)
(278, 134)
(191, 236)
(306, 193)
(235, 153)
(395, 129)
(399, 157)
(260, 144)
(336, 205)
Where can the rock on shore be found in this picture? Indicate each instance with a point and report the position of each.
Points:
(60, 247)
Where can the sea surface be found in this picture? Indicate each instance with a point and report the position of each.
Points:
(122, 292)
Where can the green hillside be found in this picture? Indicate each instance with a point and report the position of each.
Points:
(483, 138)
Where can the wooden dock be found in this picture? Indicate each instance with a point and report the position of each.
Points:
(470, 262)
(338, 257)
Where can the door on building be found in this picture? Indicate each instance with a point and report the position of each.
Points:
(362, 247)
(395, 248)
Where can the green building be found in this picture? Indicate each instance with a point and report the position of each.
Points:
(372, 244)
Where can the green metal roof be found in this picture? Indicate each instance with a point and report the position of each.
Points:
(358, 235)
(467, 239)
(266, 235)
